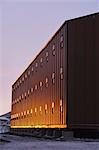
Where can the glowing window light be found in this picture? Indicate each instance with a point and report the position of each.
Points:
(53, 47)
(41, 60)
(41, 84)
(31, 111)
(61, 102)
(61, 76)
(27, 112)
(45, 106)
(40, 108)
(22, 78)
(16, 86)
(29, 72)
(19, 98)
(32, 69)
(28, 92)
(46, 54)
(35, 110)
(53, 104)
(53, 75)
(36, 87)
(36, 65)
(46, 80)
(25, 75)
(61, 70)
(22, 96)
(20, 81)
(31, 89)
(61, 38)
(25, 94)
(61, 109)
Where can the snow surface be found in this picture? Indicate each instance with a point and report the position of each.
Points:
(30, 143)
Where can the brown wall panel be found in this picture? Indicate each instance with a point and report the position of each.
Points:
(82, 62)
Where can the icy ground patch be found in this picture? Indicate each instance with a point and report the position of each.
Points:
(30, 143)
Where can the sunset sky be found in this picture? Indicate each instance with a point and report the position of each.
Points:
(25, 27)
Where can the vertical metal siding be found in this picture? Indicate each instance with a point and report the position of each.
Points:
(82, 62)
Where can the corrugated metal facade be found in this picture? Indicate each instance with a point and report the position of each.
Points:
(83, 71)
(39, 95)
(59, 89)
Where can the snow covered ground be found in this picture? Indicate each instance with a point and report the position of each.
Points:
(30, 143)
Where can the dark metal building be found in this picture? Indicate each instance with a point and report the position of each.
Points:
(60, 88)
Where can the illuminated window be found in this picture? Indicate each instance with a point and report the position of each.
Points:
(28, 72)
(25, 94)
(53, 49)
(22, 96)
(18, 84)
(31, 90)
(40, 108)
(28, 92)
(61, 105)
(61, 41)
(25, 75)
(62, 38)
(36, 87)
(35, 110)
(19, 98)
(41, 60)
(32, 69)
(46, 81)
(41, 84)
(47, 56)
(53, 105)
(61, 102)
(20, 81)
(53, 77)
(46, 107)
(61, 70)
(61, 73)
(27, 112)
(61, 76)
(31, 111)
(36, 65)
(23, 79)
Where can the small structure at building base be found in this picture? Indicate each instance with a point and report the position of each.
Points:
(5, 123)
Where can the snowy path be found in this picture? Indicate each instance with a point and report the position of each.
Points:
(29, 143)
